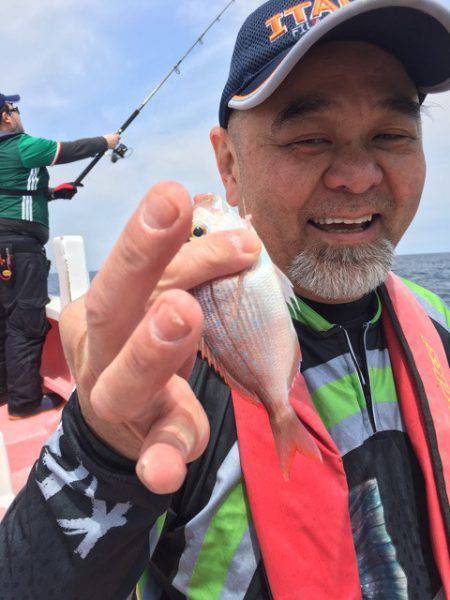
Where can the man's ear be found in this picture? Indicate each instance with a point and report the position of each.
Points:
(5, 119)
(227, 163)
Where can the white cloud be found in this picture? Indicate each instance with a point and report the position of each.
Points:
(55, 48)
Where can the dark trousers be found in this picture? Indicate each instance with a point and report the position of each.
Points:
(23, 327)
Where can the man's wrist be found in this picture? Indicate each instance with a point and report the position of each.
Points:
(112, 437)
(115, 437)
(104, 461)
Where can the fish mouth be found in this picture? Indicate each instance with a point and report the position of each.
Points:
(345, 224)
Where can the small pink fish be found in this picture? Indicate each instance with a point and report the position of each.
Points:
(249, 337)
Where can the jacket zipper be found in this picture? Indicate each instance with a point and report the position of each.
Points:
(365, 384)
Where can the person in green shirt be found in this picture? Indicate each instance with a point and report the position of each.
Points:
(24, 229)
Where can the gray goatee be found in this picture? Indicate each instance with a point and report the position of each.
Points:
(346, 273)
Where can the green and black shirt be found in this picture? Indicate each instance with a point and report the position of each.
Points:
(23, 162)
(23, 159)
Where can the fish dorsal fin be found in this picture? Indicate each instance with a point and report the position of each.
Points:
(207, 354)
(286, 286)
(211, 201)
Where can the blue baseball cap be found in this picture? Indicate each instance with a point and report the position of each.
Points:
(280, 32)
(3, 99)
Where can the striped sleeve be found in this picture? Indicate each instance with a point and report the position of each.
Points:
(58, 152)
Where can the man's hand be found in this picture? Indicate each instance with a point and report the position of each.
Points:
(112, 139)
(64, 191)
(131, 342)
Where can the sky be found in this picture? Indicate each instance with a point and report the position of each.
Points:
(82, 66)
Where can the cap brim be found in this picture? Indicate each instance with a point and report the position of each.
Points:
(391, 24)
(14, 98)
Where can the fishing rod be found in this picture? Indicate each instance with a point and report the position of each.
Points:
(121, 150)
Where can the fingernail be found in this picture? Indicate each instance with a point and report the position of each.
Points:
(168, 325)
(246, 241)
(159, 212)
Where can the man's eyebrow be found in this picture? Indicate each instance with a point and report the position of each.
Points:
(401, 105)
(299, 109)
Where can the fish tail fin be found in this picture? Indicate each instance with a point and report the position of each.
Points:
(291, 436)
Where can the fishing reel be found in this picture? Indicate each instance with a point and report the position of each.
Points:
(118, 152)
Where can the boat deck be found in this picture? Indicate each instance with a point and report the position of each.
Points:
(24, 440)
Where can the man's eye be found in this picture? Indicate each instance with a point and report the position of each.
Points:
(312, 142)
(391, 137)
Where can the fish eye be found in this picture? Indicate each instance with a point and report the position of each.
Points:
(198, 231)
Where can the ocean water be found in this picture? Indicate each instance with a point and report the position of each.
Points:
(430, 270)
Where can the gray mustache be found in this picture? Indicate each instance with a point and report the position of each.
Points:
(354, 203)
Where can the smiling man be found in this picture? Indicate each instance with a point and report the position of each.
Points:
(339, 174)
(320, 140)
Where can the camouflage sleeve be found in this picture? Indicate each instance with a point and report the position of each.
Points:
(80, 527)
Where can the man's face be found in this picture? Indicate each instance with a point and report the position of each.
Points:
(339, 139)
(11, 121)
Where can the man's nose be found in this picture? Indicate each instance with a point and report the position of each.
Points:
(353, 169)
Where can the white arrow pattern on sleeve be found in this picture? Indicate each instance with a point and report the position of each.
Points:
(100, 522)
(96, 526)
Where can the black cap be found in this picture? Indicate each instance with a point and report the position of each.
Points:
(280, 32)
(4, 99)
